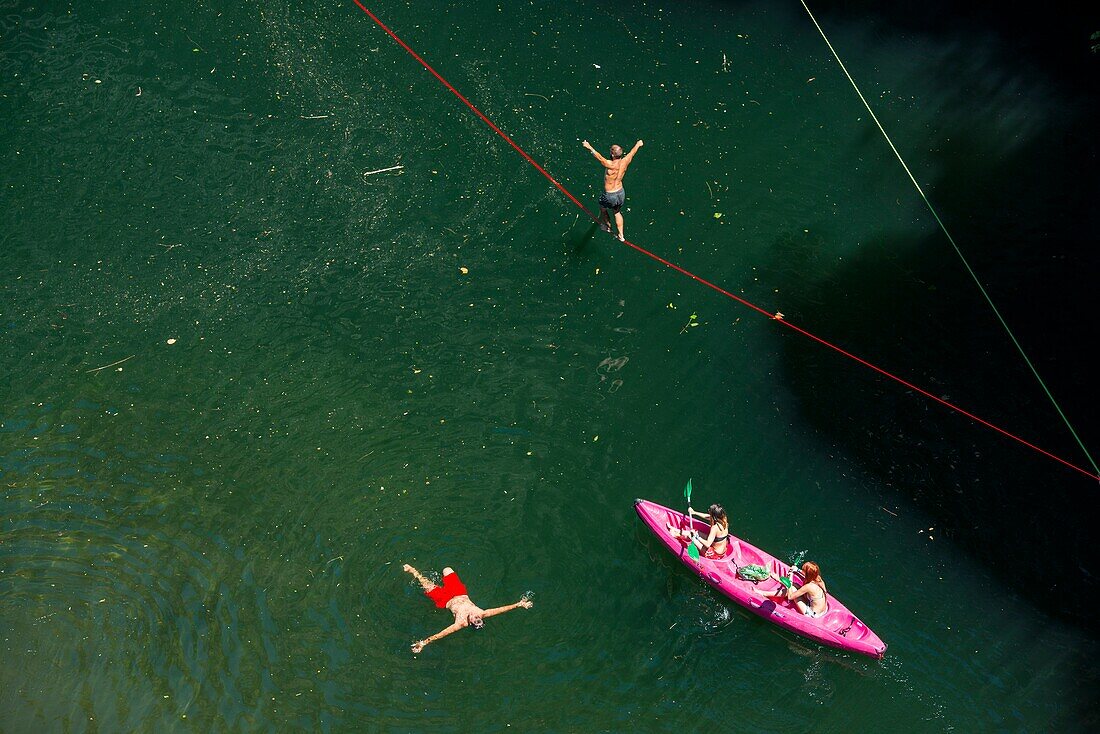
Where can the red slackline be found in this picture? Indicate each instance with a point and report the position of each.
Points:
(707, 283)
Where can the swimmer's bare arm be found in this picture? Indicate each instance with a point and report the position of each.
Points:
(603, 161)
(525, 603)
(418, 646)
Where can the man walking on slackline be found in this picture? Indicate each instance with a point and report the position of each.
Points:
(452, 596)
(613, 193)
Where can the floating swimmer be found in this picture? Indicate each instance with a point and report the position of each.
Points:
(613, 193)
(453, 597)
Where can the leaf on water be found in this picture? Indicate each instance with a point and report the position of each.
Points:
(717, 215)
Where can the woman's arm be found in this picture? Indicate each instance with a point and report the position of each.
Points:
(525, 603)
(418, 646)
(793, 593)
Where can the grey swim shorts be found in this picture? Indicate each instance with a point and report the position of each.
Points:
(613, 200)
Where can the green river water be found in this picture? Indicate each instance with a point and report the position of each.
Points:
(317, 375)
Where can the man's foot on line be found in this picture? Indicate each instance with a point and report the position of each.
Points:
(620, 237)
(606, 227)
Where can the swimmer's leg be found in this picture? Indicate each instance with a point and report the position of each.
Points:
(425, 583)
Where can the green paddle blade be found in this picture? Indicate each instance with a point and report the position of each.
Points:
(687, 491)
(693, 552)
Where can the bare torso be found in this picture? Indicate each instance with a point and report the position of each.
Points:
(719, 538)
(613, 175)
(815, 597)
(462, 608)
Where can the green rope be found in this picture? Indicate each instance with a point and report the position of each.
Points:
(951, 239)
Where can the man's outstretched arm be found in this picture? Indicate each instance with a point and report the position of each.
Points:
(630, 156)
(418, 646)
(525, 603)
(603, 161)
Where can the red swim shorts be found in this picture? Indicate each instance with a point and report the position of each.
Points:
(452, 587)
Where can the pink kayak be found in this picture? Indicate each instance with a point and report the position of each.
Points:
(837, 627)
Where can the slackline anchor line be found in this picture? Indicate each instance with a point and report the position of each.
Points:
(707, 283)
(958, 251)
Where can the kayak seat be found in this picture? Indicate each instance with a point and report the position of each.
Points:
(733, 552)
(836, 622)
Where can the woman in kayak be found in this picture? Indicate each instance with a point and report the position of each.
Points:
(714, 545)
(810, 598)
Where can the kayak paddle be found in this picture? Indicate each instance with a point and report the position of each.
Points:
(692, 549)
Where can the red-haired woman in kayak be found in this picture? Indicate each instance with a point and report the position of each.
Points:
(717, 541)
(811, 597)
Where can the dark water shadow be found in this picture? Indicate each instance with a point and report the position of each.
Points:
(577, 244)
(1055, 38)
(1027, 223)
(1025, 216)
(907, 305)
